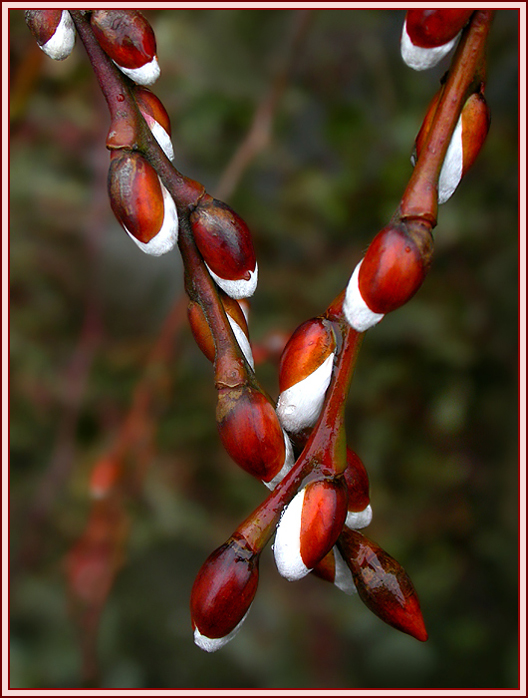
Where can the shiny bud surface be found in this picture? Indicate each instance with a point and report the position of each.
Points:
(141, 203)
(429, 35)
(430, 28)
(128, 39)
(309, 527)
(382, 584)
(357, 482)
(359, 511)
(395, 266)
(250, 431)
(156, 117)
(202, 332)
(305, 371)
(225, 243)
(222, 594)
(53, 30)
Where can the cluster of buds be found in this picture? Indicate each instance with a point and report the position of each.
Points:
(317, 505)
(319, 488)
(429, 35)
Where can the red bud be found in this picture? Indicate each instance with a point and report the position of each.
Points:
(323, 515)
(156, 117)
(128, 39)
(250, 431)
(382, 584)
(222, 594)
(395, 265)
(202, 332)
(304, 374)
(224, 241)
(141, 204)
(357, 482)
(308, 347)
(53, 30)
(309, 527)
(475, 127)
(430, 28)
(467, 140)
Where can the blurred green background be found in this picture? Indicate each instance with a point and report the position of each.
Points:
(433, 406)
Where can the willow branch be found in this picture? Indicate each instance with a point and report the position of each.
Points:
(420, 199)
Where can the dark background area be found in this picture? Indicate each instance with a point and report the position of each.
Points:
(433, 409)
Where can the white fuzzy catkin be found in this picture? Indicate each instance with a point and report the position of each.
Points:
(300, 405)
(287, 546)
(420, 58)
(237, 288)
(167, 236)
(161, 136)
(359, 519)
(145, 75)
(212, 644)
(452, 168)
(60, 45)
(243, 341)
(357, 313)
(343, 579)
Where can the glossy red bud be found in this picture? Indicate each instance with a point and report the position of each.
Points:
(323, 515)
(250, 431)
(53, 30)
(156, 117)
(43, 23)
(201, 330)
(308, 347)
(357, 482)
(128, 39)
(149, 105)
(309, 527)
(225, 243)
(430, 28)
(135, 195)
(382, 584)
(141, 204)
(305, 371)
(475, 126)
(222, 593)
(395, 265)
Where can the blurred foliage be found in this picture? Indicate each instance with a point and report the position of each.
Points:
(433, 407)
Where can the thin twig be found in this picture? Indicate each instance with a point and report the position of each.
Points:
(258, 136)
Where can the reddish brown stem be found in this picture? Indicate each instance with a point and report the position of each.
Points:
(230, 366)
(324, 455)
